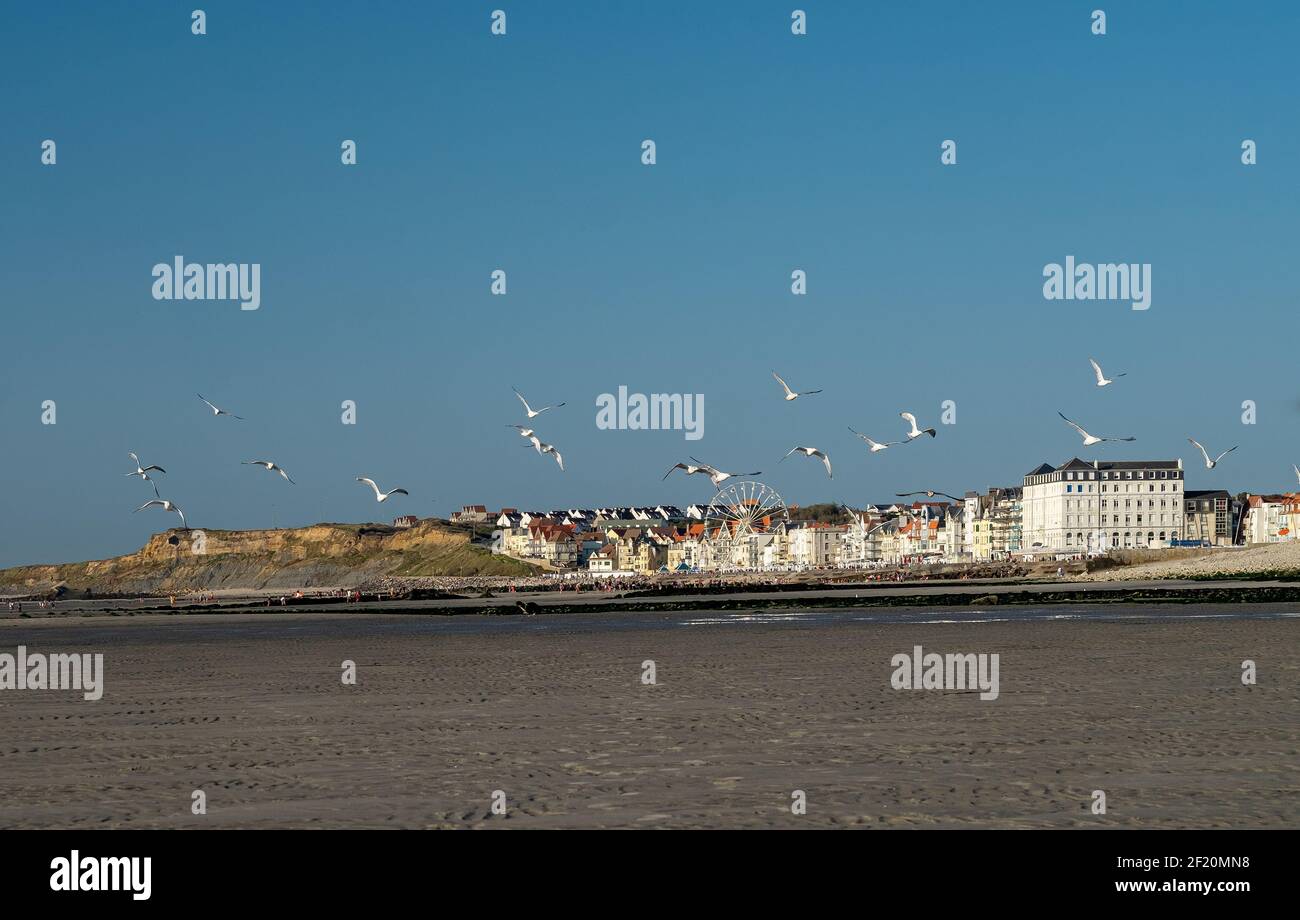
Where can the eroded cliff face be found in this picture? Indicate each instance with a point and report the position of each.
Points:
(317, 556)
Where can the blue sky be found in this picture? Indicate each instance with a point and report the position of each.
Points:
(522, 152)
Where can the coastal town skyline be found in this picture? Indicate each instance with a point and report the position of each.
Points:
(819, 154)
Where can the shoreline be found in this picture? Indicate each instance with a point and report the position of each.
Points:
(935, 593)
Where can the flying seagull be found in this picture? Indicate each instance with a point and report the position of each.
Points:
(812, 452)
(915, 432)
(1101, 378)
(533, 413)
(381, 496)
(523, 432)
(875, 445)
(715, 475)
(1089, 440)
(165, 505)
(789, 393)
(928, 493)
(271, 467)
(143, 472)
(1211, 464)
(544, 448)
(216, 411)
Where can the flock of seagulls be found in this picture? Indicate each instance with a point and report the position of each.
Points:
(696, 467)
(718, 477)
(142, 472)
(1090, 439)
(543, 449)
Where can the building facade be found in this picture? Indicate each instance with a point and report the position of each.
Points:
(1090, 507)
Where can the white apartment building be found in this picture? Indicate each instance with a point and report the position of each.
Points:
(814, 545)
(1094, 506)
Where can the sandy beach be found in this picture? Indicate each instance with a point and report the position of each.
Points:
(747, 708)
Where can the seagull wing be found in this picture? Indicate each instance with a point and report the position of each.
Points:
(826, 460)
(909, 418)
(399, 492)
(527, 408)
(1096, 369)
(285, 475)
(675, 466)
(1297, 471)
(154, 467)
(151, 502)
(788, 453)
(558, 459)
(371, 483)
(1226, 452)
(1197, 445)
(809, 392)
(131, 454)
(784, 385)
(210, 406)
(1074, 426)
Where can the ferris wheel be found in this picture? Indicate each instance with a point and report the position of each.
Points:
(741, 510)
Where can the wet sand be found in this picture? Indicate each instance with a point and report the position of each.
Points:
(552, 711)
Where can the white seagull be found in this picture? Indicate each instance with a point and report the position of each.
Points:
(789, 393)
(533, 413)
(544, 448)
(716, 475)
(216, 411)
(915, 432)
(1101, 378)
(1089, 440)
(143, 472)
(1211, 464)
(875, 445)
(928, 493)
(381, 496)
(166, 506)
(812, 452)
(523, 432)
(271, 467)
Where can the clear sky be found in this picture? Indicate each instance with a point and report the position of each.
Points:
(523, 153)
